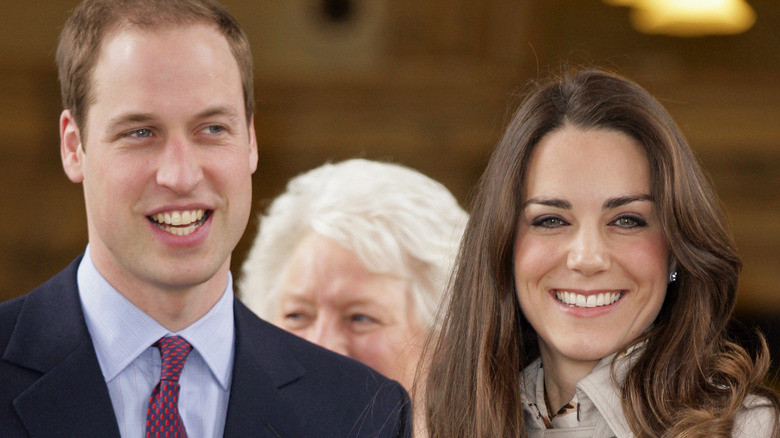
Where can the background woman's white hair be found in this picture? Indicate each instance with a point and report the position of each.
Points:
(396, 220)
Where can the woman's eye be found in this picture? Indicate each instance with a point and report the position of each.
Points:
(295, 320)
(296, 317)
(362, 319)
(549, 222)
(629, 222)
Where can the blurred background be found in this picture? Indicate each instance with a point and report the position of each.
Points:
(429, 84)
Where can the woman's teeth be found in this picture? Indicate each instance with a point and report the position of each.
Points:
(596, 300)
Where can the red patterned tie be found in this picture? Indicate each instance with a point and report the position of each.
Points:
(162, 417)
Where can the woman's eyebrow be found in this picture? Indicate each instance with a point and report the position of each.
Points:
(610, 203)
(624, 200)
(549, 202)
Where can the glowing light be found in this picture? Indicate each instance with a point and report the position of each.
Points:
(629, 3)
(689, 17)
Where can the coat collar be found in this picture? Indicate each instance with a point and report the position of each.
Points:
(262, 366)
(601, 387)
(598, 393)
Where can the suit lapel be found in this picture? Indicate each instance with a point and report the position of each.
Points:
(51, 338)
(261, 366)
(69, 400)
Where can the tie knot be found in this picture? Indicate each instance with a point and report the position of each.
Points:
(173, 352)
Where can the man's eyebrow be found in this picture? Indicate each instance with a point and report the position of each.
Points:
(218, 111)
(122, 119)
(222, 110)
(624, 200)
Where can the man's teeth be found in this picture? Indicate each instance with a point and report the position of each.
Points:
(597, 300)
(179, 223)
(177, 218)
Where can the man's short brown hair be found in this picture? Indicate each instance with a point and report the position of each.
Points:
(93, 20)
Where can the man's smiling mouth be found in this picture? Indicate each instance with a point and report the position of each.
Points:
(573, 299)
(180, 223)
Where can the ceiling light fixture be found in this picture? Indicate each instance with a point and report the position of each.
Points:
(689, 18)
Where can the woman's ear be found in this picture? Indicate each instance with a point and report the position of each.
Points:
(71, 150)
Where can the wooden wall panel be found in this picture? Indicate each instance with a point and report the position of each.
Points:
(426, 83)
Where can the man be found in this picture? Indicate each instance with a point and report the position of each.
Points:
(158, 129)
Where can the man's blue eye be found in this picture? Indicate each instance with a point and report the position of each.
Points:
(142, 133)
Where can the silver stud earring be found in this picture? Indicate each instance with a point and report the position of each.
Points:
(673, 277)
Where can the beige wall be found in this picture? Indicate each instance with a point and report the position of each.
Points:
(427, 83)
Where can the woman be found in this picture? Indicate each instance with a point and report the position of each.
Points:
(354, 257)
(594, 283)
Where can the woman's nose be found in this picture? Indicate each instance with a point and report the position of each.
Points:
(588, 253)
(328, 333)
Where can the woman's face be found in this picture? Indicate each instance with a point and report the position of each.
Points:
(590, 260)
(328, 297)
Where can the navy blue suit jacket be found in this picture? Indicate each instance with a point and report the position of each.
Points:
(51, 384)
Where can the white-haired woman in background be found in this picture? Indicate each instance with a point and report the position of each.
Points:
(354, 256)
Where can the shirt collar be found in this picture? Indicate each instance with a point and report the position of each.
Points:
(121, 331)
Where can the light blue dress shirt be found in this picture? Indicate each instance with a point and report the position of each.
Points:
(124, 335)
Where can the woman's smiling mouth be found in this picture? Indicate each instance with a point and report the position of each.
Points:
(573, 299)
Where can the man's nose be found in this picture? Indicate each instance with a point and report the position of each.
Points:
(179, 168)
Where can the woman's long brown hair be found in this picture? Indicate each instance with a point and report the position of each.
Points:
(691, 379)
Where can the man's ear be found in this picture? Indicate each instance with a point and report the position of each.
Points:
(253, 153)
(71, 150)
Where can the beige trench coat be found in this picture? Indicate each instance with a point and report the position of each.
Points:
(601, 415)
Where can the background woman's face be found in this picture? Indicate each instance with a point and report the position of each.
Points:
(328, 297)
(590, 260)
